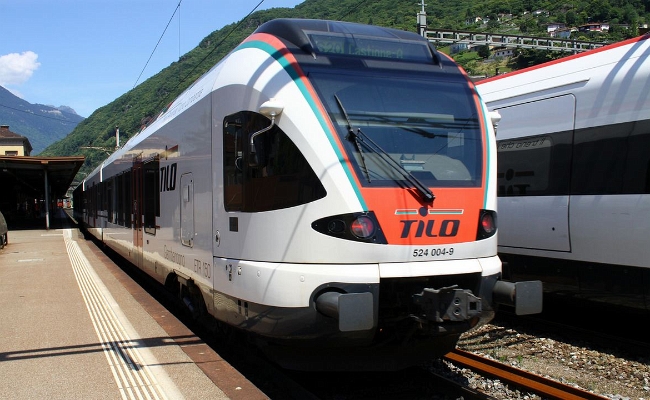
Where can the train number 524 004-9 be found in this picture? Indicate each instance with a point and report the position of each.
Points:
(433, 252)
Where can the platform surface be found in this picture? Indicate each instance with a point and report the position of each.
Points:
(70, 329)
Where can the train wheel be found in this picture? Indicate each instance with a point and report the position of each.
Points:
(191, 297)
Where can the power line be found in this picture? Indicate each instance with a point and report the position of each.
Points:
(211, 51)
(351, 10)
(161, 36)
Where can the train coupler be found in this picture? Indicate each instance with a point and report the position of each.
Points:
(448, 304)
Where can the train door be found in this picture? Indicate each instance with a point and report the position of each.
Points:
(187, 210)
(136, 190)
(229, 184)
(228, 150)
(533, 172)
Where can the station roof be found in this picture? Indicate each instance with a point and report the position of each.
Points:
(29, 173)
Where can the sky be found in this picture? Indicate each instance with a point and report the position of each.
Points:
(86, 53)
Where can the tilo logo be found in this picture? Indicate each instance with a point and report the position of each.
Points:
(168, 178)
(429, 227)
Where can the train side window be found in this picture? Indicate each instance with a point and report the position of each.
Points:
(151, 193)
(534, 166)
(128, 198)
(612, 159)
(637, 161)
(233, 152)
(534, 147)
(119, 220)
(281, 178)
(110, 200)
(98, 199)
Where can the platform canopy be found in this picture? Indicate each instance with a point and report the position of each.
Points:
(28, 179)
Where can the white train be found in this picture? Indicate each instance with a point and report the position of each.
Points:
(574, 173)
(327, 187)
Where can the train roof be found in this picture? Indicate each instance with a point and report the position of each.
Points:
(336, 38)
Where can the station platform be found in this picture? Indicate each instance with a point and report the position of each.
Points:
(75, 326)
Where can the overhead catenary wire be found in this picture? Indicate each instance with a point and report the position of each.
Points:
(241, 22)
(351, 10)
(178, 6)
(181, 80)
(218, 45)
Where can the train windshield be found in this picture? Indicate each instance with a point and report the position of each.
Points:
(428, 128)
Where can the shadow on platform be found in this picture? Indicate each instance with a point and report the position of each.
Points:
(58, 219)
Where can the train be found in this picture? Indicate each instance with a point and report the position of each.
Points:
(327, 189)
(573, 174)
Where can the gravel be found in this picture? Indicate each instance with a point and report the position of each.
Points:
(609, 371)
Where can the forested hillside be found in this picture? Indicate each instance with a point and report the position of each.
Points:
(136, 108)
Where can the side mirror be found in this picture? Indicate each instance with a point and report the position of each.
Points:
(496, 118)
(271, 109)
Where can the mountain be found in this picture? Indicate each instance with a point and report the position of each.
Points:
(134, 109)
(41, 124)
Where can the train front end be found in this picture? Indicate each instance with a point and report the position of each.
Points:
(395, 255)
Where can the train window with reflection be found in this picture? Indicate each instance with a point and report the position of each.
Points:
(274, 175)
(524, 166)
(110, 200)
(428, 127)
(534, 142)
(612, 159)
(535, 165)
(151, 206)
(127, 201)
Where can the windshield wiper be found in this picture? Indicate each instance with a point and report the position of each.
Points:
(361, 138)
(353, 136)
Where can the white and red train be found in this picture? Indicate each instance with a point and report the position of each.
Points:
(328, 187)
(574, 173)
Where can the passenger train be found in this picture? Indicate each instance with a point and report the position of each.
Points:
(328, 188)
(573, 173)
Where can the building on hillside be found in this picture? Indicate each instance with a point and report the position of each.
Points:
(563, 33)
(501, 52)
(458, 47)
(12, 144)
(550, 28)
(594, 27)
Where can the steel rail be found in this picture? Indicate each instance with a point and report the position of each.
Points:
(546, 388)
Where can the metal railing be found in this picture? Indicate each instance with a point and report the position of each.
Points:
(513, 41)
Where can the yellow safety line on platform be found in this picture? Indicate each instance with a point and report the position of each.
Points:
(133, 376)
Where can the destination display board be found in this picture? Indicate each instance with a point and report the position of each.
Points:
(348, 45)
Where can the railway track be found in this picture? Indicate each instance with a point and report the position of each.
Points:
(546, 388)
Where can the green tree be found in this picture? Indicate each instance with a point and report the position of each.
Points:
(484, 51)
(571, 17)
(528, 25)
